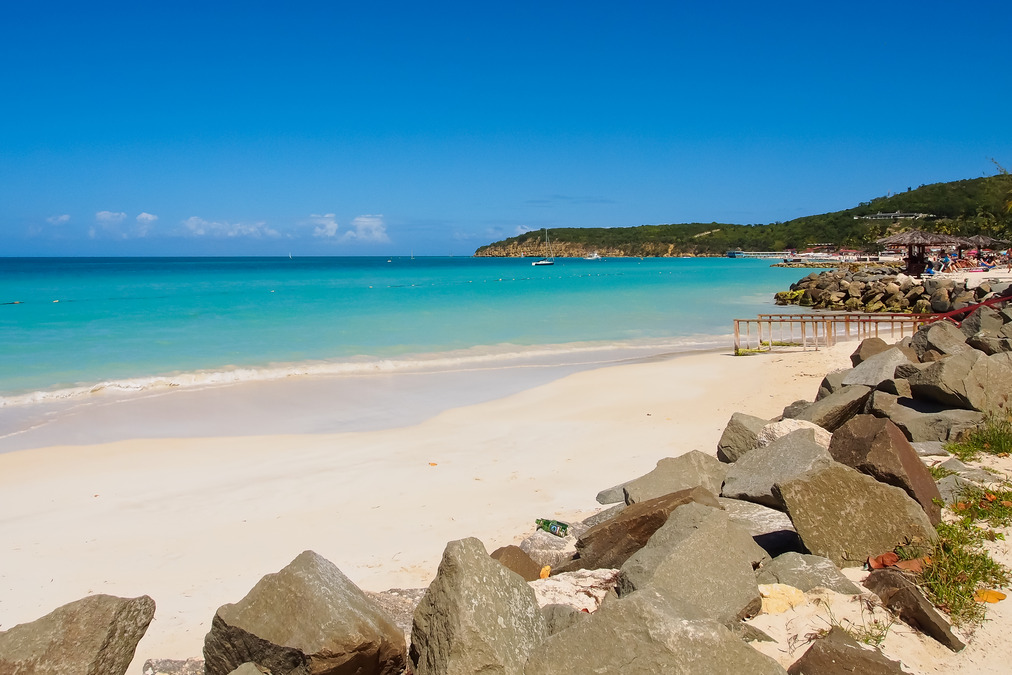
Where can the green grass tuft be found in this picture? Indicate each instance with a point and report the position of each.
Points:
(994, 437)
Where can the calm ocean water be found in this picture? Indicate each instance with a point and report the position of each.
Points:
(71, 325)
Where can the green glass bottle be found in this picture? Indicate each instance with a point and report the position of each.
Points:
(556, 527)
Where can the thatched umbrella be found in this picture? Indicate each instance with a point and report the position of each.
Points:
(980, 241)
(916, 242)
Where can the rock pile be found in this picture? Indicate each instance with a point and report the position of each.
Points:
(666, 580)
(881, 289)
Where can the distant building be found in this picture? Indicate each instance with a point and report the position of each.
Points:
(898, 215)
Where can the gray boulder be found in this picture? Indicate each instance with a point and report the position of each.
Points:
(307, 618)
(876, 369)
(941, 337)
(548, 549)
(677, 473)
(739, 436)
(771, 529)
(877, 447)
(806, 572)
(970, 380)
(930, 449)
(952, 488)
(609, 544)
(984, 319)
(923, 420)
(781, 428)
(753, 476)
(191, 666)
(247, 669)
(560, 617)
(837, 653)
(830, 383)
(846, 516)
(699, 556)
(971, 473)
(989, 344)
(835, 409)
(475, 617)
(96, 635)
(646, 634)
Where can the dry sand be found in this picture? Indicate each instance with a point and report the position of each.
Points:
(196, 522)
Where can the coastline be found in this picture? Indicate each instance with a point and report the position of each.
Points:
(196, 521)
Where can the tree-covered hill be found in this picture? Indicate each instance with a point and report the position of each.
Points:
(964, 207)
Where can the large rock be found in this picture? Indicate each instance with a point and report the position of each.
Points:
(831, 382)
(846, 516)
(739, 436)
(677, 473)
(941, 337)
(876, 369)
(837, 653)
(806, 572)
(753, 476)
(547, 549)
(475, 617)
(832, 411)
(609, 544)
(307, 618)
(970, 380)
(96, 635)
(583, 590)
(982, 320)
(781, 428)
(516, 560)
(771, 529)
(923, 420)
(869, 347)
(646, 634)
(699, 556)
(900, 595)
(877, 447)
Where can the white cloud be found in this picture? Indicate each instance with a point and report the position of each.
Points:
(521, 229)
(326, 224)
(58, 220)
(368, 228)
(110, 217)
(199, 227)
(112, 224)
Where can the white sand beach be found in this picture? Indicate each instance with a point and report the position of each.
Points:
(196, 522)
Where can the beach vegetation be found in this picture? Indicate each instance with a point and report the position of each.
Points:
(993, 437)
(960, 577)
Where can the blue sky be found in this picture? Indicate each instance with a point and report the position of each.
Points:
(336, 128)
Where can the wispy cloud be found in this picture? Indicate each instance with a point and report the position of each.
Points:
(110, 217)
(58, 220)
(367, 228)
(110, 224)
(198, 227)
(326, 224)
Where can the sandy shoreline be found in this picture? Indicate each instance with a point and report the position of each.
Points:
(195, 522)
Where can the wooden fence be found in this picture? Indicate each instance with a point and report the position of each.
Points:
(814, 330)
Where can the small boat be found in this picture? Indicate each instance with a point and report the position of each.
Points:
(593, 256)
(550, 259)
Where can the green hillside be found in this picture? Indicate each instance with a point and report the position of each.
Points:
(964, 207)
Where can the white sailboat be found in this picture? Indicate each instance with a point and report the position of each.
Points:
(550, 259)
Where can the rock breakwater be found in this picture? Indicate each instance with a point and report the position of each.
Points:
(883, 289)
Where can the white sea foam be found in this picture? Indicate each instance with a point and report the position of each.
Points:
(476, 358)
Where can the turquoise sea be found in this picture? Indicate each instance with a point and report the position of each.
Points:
(71, 326)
